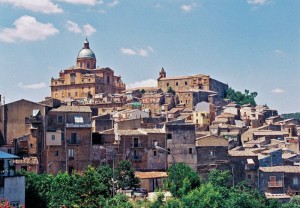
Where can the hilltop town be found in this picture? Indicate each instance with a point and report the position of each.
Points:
(92, 119)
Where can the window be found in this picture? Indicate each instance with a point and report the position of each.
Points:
(53, 137)
(190, 150)
(168, 84)
(71, 153)
(249, 176)
(169, 151)
(73, 75)
(62, 136)
(107, 80)
(56, 153)
(73, 138)
(155, 142)
(76, 94)
(88, 65)
(176, 83)
(295, 181)
(154, 153)
(185, 83)
(135, 142)
(78, 119)
(9, 151)
(69, 94)
(213, 154)
(59, 119)
(169, 136)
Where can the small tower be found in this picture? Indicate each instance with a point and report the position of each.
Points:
(162, 73)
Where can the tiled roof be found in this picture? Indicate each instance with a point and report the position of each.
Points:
(286, 169)
(269, 133)
(129, 132)
(153, 174)
(84, 109)
(211, 141)
(241, 153)
(27, 161)
(152, 131)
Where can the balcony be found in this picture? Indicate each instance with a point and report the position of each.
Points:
(78, 125)
(136, 158)
(74, 141)
(136, 145)
(274, 184)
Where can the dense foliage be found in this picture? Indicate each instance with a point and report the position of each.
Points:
(92, 188)
(241, 98)
(216, 192)
(291, 115)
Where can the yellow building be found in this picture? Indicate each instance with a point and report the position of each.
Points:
(195, 82)
(85, 79)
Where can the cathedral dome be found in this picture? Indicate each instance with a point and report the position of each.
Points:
(86, 52)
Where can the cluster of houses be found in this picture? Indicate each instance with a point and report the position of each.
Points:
(92, 119)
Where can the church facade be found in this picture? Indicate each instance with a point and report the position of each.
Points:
(85, 80)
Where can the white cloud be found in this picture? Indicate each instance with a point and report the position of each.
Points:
(143, 83)
(128, 51)
(88, 2)
(27, 28)
(140, 52)
(32, 86)
(88, 30)
(257, 2)
(188, 7)
(44, 6)
(113, 3)
(278, 51)
(277, 91)
(73, 27)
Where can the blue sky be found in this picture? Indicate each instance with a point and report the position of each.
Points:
(249, 44)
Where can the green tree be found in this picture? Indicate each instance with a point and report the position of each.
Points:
(118, 201)
(125, 176)
(143, 91)
(181, 179)
(219, 178)
(293, 203)
(170, 90)
(205, 196)
(241, 98)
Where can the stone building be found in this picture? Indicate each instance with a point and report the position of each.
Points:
(184, 83)
(212, 153)
(181, 143)
(68, 139)
(138, 146)
(22, 129)
(85, 79)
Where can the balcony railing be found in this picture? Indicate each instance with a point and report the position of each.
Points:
(74, 125)
(275, 184)
(73, 141)
(136, 145)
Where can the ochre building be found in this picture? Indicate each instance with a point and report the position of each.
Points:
(195, 82)
(85, 79)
